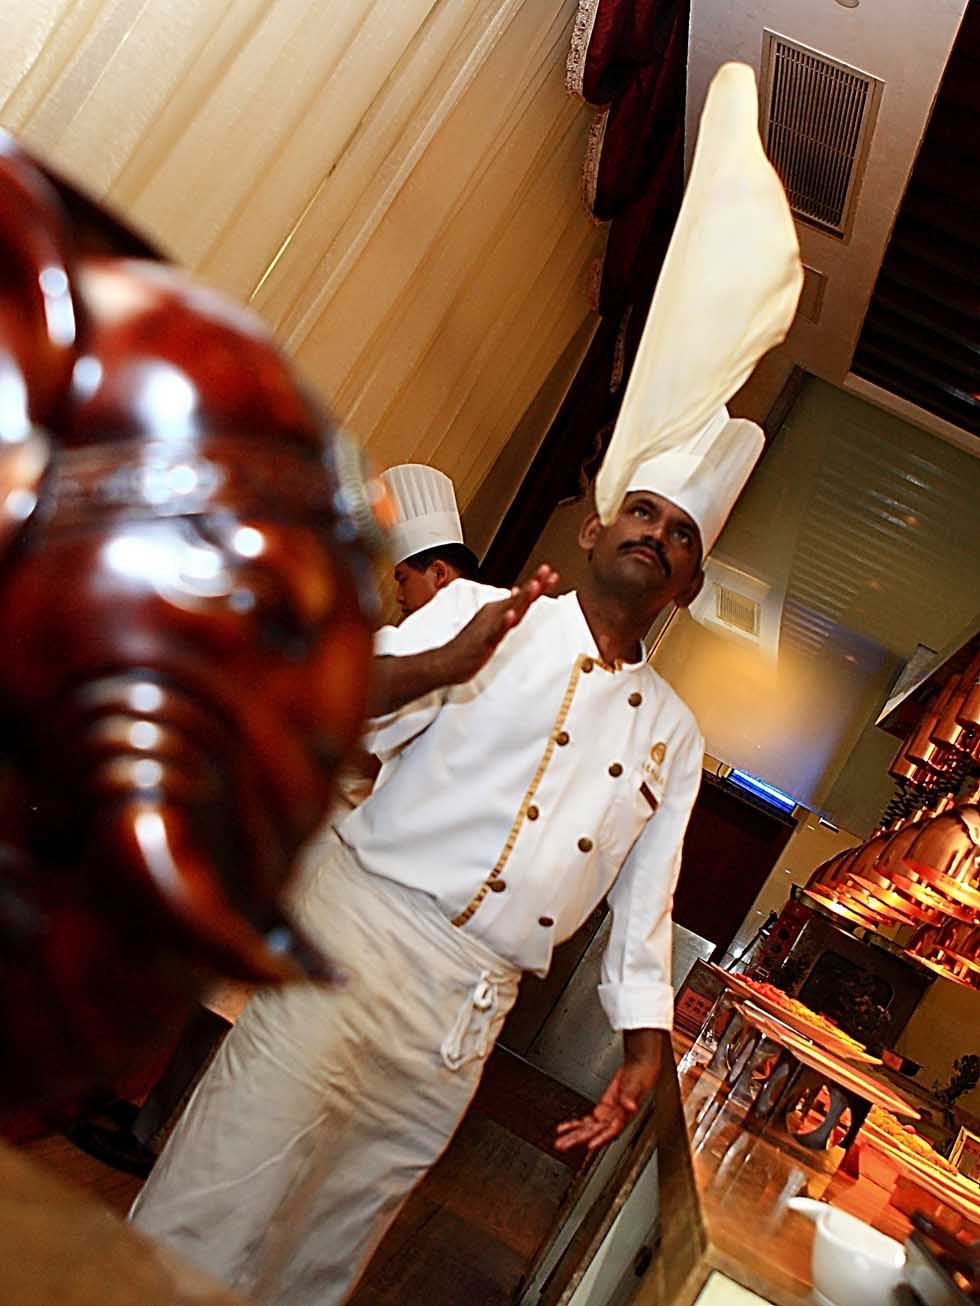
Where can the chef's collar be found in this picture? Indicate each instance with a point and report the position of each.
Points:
(580, 633)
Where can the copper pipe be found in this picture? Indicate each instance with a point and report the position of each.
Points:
(921, 750)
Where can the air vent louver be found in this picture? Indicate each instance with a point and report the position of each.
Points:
(737, 611)
(817, 120)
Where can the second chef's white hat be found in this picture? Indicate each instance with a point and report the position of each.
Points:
(427, 515)
(726, 294)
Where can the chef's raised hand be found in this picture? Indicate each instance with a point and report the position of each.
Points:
(475, 644)
(400, 680)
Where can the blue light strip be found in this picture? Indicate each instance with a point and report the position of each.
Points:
(767, 793)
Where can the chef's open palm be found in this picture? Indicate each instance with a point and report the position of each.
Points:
(470, 650)
(624, 1094)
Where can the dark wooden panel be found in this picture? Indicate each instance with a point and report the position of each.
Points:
(729, 850)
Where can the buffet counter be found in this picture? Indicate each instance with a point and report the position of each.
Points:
(697, 1209)
(743, 1184)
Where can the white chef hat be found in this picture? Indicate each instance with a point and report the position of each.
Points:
(706, 475)
(425, 502)
(726, 294)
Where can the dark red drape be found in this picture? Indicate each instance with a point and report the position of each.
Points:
(636, 62)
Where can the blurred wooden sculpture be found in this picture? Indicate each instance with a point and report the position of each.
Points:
(184, 640)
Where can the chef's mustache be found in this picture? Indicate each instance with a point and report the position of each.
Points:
(654, 546)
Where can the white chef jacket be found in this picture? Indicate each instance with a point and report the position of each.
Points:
(521, 798)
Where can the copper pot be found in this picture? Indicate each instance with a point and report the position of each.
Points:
(925, 949)
(876, 891)
(968, 713)
(903, 768)
(961, 941)
(853, 912)
(949, 731)
(829, 875)
(890, 871)
(920, 748)
(870, 871)
(946, 854)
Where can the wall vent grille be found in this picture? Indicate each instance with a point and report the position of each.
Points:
(736, 610)
(818, 116)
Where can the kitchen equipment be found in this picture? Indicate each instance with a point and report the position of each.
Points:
(851, 1263)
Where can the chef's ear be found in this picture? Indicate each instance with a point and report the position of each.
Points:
(441, 575)
(687, 597)
(589, 532)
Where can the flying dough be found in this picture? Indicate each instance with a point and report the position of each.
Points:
(727, 291)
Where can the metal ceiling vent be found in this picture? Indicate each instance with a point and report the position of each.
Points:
(817, 120)
(732, 609)
(739, 606)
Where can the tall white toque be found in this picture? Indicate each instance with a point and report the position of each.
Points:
(727, 293)
(427, 513)
(706, 475)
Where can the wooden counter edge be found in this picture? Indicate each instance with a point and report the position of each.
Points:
(57, 1244)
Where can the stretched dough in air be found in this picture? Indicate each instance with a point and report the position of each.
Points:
(726, 295)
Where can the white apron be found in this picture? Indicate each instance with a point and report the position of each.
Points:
(324, 1108)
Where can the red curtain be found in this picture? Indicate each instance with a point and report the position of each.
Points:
(630, 58)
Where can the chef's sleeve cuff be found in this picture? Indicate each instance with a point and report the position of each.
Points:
(638, 1006)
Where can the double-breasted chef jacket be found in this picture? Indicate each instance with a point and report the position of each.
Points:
(520, 799)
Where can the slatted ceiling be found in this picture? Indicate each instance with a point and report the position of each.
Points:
(921, 336)
(887, 328)
(882, 520)
(916, 272)
(803, 628)
(955, 406)
(959, 392)
(949, 253)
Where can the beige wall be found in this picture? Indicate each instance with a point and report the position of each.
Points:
(395, 188)
(793, 723)
(945, 1026)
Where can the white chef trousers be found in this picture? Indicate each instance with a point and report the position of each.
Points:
(324, 1108)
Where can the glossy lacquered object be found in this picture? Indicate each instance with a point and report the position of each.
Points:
(185, 587)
